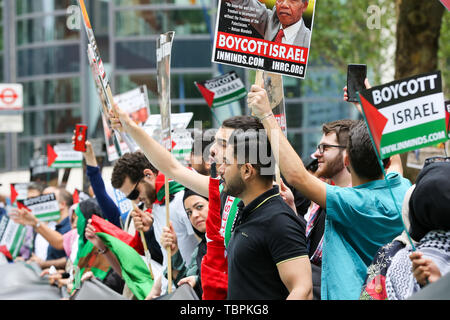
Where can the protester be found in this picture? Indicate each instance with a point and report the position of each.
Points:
(360, 219)
(331, 167)
(46, 255)
(88, 258)
(197, 160)
(263, 262)
(196, 207)
(135, 176)
(34, 189)
(109, 209)
(430, 227)
(374, 287)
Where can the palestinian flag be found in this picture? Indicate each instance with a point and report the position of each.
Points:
(222, 90)
(88, 258)
(134, 270)
(174, 187)
(214, 266)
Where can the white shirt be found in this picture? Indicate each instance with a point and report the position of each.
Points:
(40, 244)
(291, 31)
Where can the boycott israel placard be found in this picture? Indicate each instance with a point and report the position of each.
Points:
(63, 156)
(11, 235)
(267, 35)
(222, 90)
(407, 114)
(45, 207)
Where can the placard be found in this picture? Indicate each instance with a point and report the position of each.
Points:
(248, 35)
(407, 114)
(11, 235)
(222, 90)
(63, 156)
(44, 207)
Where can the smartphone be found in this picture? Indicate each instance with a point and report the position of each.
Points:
(80, 137)
(356, 74)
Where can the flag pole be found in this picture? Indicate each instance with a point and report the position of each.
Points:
(169, 250)
(144, 244)
(380, 162)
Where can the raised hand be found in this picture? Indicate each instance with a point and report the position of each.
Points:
(258, 102)
(143, 220)
(169, 238)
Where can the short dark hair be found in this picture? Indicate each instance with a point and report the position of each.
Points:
(130, 165)
(36, 186)
(255, 147)
(341, 128)
(243, 122)
(363, 158)
(203, 139)
(65, 196)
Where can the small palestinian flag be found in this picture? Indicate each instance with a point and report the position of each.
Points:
(222, 90)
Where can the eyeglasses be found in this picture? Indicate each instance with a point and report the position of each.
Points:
(134, 194)
(436, 159)
(322, 147)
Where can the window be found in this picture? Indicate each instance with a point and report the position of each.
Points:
(44, 29)
(142, 54)
(50, 122)
(51, 91)
(48, 60)
(150, 22)
(31, 6)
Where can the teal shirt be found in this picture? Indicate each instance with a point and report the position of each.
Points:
(359, 221)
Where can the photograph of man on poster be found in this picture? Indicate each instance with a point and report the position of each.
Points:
(283, 23)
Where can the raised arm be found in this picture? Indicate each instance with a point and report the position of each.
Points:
(26, 218)
(107, 205)
(291, 166)
(162, 159)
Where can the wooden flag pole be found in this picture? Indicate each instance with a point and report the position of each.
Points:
(144, 244)
(169, 249)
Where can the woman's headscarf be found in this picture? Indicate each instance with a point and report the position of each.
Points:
(429, 206)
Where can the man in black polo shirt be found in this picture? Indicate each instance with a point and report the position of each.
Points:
(267, 254)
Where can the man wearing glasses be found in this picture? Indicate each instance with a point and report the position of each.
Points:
(135, 176)
(331, 166)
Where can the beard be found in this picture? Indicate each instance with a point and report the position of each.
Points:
(329, 169)
(150, 194)
(234, 187)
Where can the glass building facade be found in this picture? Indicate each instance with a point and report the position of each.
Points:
(43, 48)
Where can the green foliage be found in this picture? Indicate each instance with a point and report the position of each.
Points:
(347, 32)
(444, 53)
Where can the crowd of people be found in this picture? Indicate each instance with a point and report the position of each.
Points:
(339, 228)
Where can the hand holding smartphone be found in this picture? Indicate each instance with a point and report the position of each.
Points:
(80, 137)
(356, 74)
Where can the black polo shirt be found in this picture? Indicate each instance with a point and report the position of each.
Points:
(267, 232)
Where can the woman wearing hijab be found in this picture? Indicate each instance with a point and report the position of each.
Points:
(429, 208)
(196, 207)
